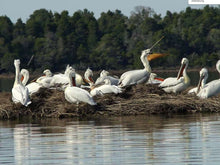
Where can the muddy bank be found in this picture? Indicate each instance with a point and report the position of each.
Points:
(135, 100)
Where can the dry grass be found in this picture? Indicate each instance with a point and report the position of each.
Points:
(135, 100)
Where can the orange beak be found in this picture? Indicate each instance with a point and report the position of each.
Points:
(155, 55)
(22, 78)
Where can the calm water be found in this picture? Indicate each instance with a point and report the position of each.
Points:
(182, 139)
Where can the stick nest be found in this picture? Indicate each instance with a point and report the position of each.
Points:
(135, 100)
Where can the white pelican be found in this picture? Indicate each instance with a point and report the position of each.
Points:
(78, 78)
(154, 79)
(203, 71)
(45, 80)
(105, 75)
(33, 87)
(207, 90)
(75, 94)
(139, 76)
(88, 76)
(19, 91)
(106, 88)
(62, 80)
(177, 84)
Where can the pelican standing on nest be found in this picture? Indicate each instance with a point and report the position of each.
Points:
(207, 90)
(75, 94)
(180, 83)
(139, 76)
(19, 91)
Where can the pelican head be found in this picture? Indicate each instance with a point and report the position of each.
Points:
(24, 76)
(47, 73)
(203, 77)
(88, 76)
(17, 62)
(153, 75)
(71, 75)
(104, 73)
(184, 65)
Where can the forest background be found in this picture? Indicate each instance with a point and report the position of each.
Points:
(112, 41)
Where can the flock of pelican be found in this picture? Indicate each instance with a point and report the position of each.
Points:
(75, 90)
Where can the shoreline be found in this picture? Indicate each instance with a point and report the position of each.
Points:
(141, 99)
(117, 72)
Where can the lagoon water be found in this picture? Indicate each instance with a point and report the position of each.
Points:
(177, 139)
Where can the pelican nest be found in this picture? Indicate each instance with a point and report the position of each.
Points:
(135, 100)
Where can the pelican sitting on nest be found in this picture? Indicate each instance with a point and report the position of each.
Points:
(207, 90)
(105, 75)
(101, 89)
(19, 91)
(180, 83)
(204, 71)
(45, 80)
(139, 76)
(62, 80)
(75, 94)
(105, 89)
(33, 87)
(154, 79)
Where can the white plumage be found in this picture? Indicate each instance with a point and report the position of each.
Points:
(76, 94)
(33, 87)
(177, 84)
(20, 93)
(62, 80)
(207, 90)
(137, 76)
(106, 88)
(45, 80)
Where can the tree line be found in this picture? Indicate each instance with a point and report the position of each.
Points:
(112, 41)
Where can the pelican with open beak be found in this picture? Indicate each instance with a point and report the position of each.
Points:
(179, 83)
(142, 75)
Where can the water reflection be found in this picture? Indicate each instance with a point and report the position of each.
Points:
(193, 139)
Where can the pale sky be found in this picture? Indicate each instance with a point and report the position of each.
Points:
(15, 9)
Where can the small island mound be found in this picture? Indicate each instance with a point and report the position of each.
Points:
(140, 99)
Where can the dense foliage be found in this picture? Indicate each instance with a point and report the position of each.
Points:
(113, 41)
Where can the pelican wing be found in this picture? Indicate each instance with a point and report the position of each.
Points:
(192, 91)
(134, 77)
(104, 89)
(81, 95)
(59, 79)
(210, 89)
(171, 81)
(20, 94)
(33, 87)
